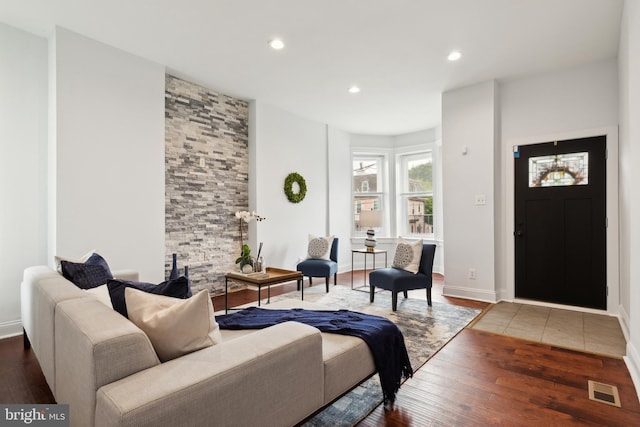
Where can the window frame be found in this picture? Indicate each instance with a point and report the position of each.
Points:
(381, 195)
(403, 195)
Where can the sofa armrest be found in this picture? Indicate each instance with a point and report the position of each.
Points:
(273, 377)
(95, 345)
(126, 275)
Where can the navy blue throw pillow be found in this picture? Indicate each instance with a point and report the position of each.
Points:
(177, 288)
(90, 274)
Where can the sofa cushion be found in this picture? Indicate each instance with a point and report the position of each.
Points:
(272, 377)
(101, 293)
(175, 326)
(89, 274)
(59, 258)
(408, 256)
(177, 288)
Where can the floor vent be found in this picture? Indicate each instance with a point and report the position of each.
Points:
(604, 393)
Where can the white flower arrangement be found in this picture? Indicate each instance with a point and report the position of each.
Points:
(246, 216)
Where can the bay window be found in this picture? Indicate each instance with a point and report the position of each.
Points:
(415, 193)
(368, 190)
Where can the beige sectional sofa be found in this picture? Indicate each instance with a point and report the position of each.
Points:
(106, 369)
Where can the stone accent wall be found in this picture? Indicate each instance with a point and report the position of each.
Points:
(206, 159)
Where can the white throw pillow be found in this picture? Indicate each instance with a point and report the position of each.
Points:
(319, 247)
(174, 326)
(408, 255)
(102, 294)
(58, 260)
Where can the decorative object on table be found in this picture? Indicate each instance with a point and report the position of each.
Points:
(246, 216)
(174, 267)
(292, 196)
(245, 260)
(371, 220)
(258, 265)
(245, 257)
(186, 276)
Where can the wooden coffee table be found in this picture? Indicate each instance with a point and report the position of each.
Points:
(272, 276)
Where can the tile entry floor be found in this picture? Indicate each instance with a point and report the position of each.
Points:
(589, 332)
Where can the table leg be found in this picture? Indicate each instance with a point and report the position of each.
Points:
(365, 269)
(268, 294)
(351, 270)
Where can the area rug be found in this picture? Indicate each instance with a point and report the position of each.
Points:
(425, 329)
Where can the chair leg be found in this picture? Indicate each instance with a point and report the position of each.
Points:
(394, 300)
(372, 292)
(405, 294)
(327, 280)
(310, 281)
(429, 296)
(335, 279)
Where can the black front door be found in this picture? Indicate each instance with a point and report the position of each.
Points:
(560, 222)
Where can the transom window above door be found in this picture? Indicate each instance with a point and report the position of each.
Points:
(559, 170)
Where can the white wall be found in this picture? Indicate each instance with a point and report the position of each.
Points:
(23, 165)
(556, 102)
(109, 138)
(286, 143)
(468, 140)
(340, 194)
(629, 90)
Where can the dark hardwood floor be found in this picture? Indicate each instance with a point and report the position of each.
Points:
(477, 379)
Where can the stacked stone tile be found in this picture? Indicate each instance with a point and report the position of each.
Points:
(206, 180)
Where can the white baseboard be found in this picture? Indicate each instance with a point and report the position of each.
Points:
(632, 360)
(624, 323)
(469, 293)
(10, 329)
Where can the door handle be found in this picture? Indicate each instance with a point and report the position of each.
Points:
(519, 232)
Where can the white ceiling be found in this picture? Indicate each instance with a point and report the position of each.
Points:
(395, 50)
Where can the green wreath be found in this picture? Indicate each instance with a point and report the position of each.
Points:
(288, 187)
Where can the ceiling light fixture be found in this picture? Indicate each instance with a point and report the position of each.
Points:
(454, 55)
(354, 89)
(276, 44)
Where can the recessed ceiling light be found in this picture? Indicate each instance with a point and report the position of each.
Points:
(354, 89)
(276, 44)
(454, 56)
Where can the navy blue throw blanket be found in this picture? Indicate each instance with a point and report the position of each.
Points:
(381, 335)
